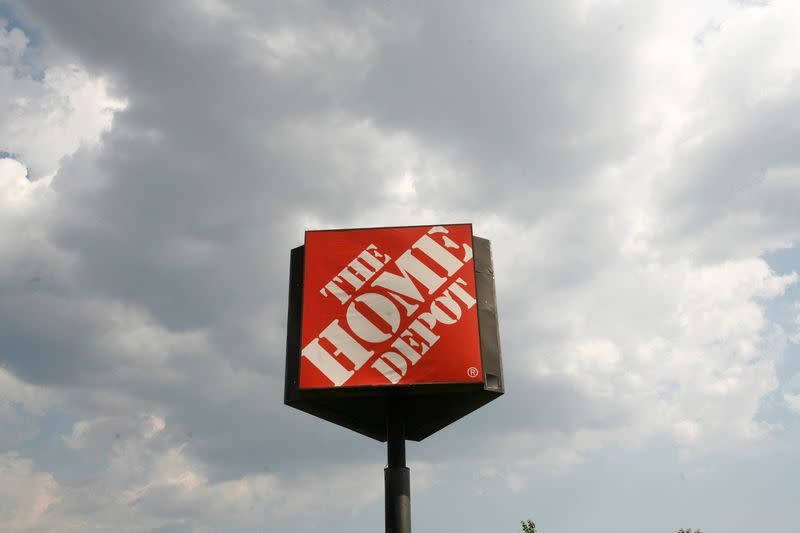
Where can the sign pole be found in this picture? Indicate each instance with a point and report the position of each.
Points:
(440, 361)
(397, 477)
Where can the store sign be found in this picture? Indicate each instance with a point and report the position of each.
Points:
(389, 306)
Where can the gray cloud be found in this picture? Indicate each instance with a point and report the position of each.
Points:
(630, 284)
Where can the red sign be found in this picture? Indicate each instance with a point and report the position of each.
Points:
(389, 306)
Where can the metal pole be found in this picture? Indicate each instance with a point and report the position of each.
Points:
(397, 477)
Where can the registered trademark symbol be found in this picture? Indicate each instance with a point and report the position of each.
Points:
(472, 372)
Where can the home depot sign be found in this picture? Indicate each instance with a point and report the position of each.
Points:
(389, 306)
(392, 320)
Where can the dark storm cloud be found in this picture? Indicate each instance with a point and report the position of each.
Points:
(42, 340)
(189, 209)
(188, 166)
(534, 96)
(187, 213)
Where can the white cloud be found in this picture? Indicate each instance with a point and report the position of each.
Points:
(19, 197)
(19, 401)
(686, 432)
(795, 338)
(27, 495)
(150, 481)
(43, 120)
(659, 347)
(515, 482)
(793, 401)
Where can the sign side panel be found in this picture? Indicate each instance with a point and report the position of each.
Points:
(487, 316)
(293, 325)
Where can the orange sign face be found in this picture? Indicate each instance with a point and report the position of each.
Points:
(389, 306)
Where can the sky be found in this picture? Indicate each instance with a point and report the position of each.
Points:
(635, 165)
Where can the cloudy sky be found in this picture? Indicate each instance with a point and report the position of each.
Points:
(635, 164)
